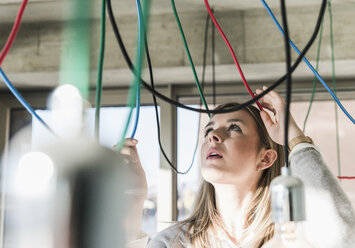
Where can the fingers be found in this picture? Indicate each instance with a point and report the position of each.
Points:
(266, 101)
(130, 155)
(266, 119)
(129, 146)
(130, 142)
(271, 101)
(270, 97)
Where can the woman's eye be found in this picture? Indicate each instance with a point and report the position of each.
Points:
(207, 132)
(234, 127)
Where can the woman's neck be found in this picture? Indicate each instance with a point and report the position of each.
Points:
(232, 203)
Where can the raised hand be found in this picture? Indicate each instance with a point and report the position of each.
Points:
(275, 124)
(138, 185)
(137, 190)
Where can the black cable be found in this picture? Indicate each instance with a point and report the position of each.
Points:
(174, 168)
(213, 64)
(288, 76)
(243, 105)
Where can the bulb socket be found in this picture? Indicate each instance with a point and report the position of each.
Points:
(287, 198)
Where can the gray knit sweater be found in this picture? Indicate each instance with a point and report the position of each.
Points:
(330, 215)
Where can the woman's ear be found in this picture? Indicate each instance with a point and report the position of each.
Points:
(268, 158)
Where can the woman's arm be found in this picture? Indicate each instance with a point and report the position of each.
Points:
(330, 215)
(172, 237)
(135, 195)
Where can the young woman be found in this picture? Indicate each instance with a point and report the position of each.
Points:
(241, 154)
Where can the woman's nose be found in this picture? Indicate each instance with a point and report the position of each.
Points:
(214, 137)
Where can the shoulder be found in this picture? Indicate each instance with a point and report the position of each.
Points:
(171, 237)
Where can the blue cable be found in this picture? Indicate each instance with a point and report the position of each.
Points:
(138, 100)
(308, 63)
(23, 101)
(137, 113)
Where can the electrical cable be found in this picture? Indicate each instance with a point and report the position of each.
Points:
(14, 31)
(232, 52)
(132, 99)
(140, 44)
(308, 63)
(188, 53)
(138, 106)
(213, 64)
(174, 168)
(23, 101)
(334, 85)
(205, 41)
(346, 177)
(74, 68)
(243, 105)
(3, 55)
(314, 86)
(289, 77)
(99, 71)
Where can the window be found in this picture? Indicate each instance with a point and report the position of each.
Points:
(112, 123)
(188, 184)
(189, 129)
(321, 126)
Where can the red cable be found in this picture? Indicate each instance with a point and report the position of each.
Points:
(14, 31)
(346, 177)
(232, 52)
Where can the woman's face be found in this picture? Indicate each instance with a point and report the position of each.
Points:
(230, 153)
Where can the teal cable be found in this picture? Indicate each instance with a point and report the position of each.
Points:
(334, 86)
(314, 77)
(75, 55)
(99, 71)
(132, 99)
(189, 55)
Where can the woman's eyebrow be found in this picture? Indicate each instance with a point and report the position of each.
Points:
(236, 120)
(209, 124)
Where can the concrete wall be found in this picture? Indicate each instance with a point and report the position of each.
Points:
(35, 57)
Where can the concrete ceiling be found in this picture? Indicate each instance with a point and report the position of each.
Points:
(55, 9)
(33, 62)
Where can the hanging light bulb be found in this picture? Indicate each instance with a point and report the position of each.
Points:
(66, 191)
(288, 212)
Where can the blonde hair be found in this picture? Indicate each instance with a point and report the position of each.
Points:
(204, 218)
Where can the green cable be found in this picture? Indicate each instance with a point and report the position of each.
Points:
(75, 56)
(189, 55)
(99, 71)
(136, 81)
(314, 77)
(334, 86)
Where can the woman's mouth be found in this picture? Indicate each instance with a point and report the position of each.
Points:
(213, 153)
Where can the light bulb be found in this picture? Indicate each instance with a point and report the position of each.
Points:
(288, 212)
(66, 105)
(288, 235)
(34, 174)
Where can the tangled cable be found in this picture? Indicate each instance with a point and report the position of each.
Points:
(243, 105)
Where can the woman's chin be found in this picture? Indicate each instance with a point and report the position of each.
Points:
(213, 174)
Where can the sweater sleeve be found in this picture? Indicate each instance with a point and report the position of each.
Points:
(171, 237)
(330, 214)
(139, 243)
